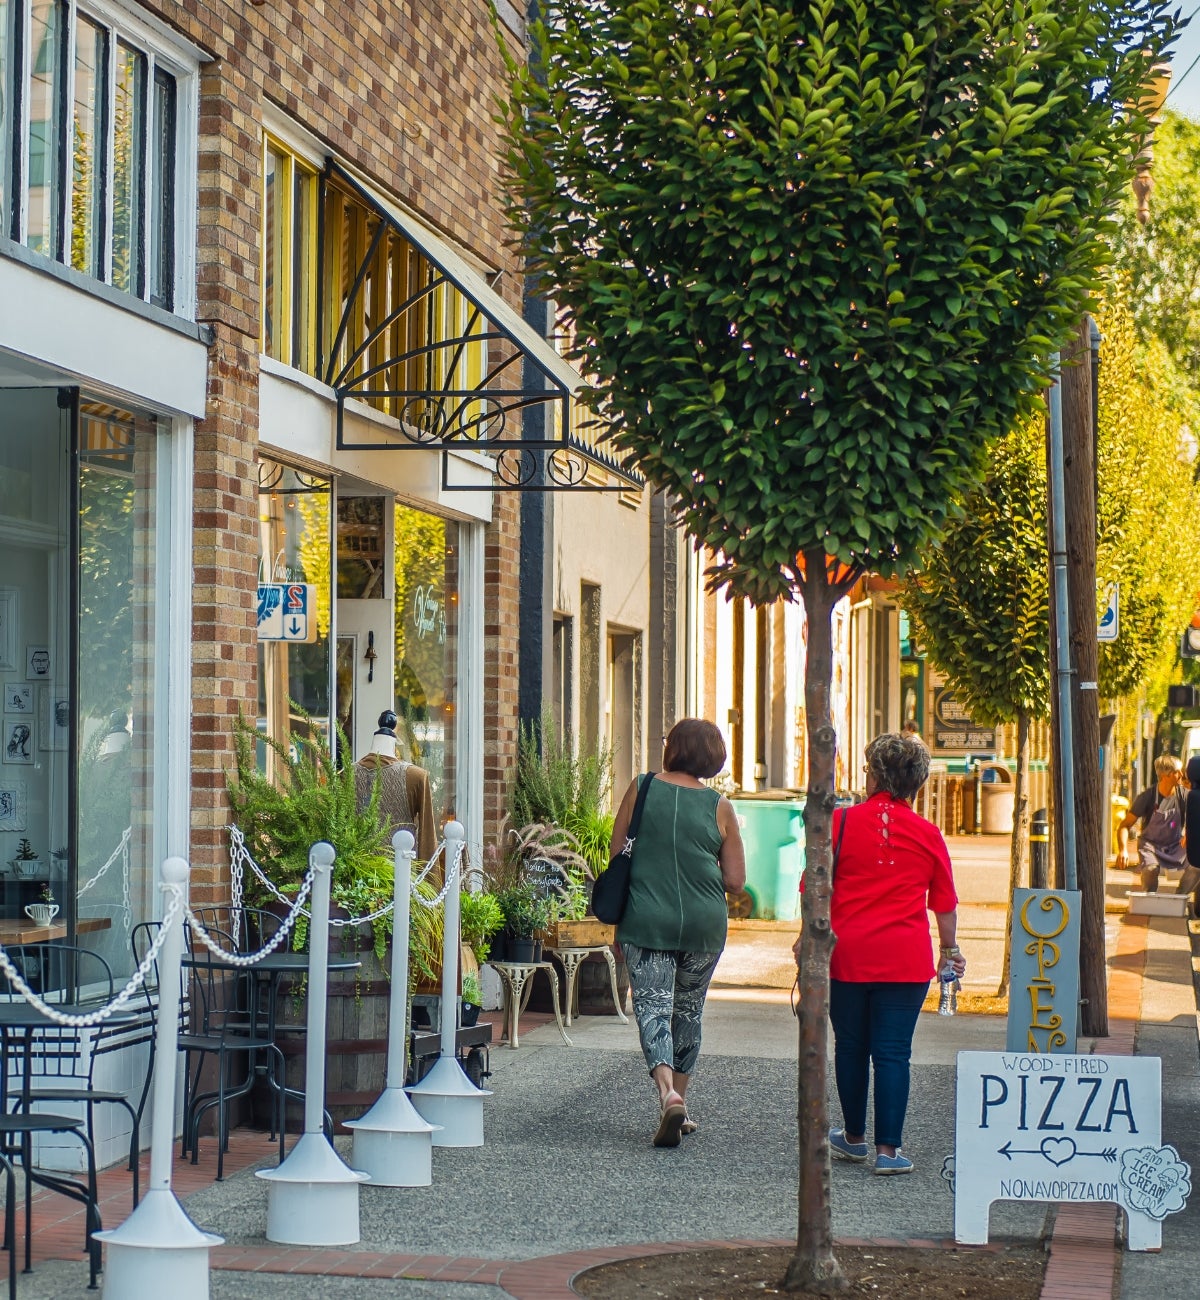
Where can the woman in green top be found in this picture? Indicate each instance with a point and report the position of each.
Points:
(689, 853)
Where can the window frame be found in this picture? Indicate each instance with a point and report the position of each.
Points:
(162, 49)
(290, 349)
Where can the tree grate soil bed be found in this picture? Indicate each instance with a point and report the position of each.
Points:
(889, 1273)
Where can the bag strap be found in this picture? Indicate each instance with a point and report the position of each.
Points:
(837, 850)
(635, 821)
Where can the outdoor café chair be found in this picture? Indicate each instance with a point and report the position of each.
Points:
(63, 1065)
(225, 1024)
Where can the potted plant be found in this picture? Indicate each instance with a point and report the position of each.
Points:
(526, 911)
(307, 798)
(26, 864)
(472, 1001)
(481, 918)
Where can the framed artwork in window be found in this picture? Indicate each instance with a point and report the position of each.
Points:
(37, 663)
(55, 723)
(12, 804)
(10, 610)
(17, 738)
(18, 697)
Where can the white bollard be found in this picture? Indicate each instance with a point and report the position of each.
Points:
(392, 1143)
(313, 1196)
(445, 1096)
(158, 1248)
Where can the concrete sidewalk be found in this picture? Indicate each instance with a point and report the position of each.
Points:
(568, 1176)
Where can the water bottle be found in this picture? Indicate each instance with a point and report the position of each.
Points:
(948, 1001)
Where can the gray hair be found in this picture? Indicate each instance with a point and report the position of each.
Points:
(899, 763)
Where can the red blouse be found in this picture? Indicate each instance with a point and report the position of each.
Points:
(893, 867)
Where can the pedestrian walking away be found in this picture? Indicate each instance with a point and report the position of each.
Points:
(890, 867)
(1190, 881)
(1160, 809)
(687, 854)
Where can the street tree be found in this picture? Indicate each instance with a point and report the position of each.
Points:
(1161, 255)
(815, 256)
(1149, 502)
(979, 603)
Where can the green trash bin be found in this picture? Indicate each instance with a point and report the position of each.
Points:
(772, 829)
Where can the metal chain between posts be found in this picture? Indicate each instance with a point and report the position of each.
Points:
(121, 1001)
(122, 849)
(295, 909)
(452, 871)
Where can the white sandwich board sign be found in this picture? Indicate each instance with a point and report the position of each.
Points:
(1064, 1129)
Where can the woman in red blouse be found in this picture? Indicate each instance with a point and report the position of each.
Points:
(891, 866)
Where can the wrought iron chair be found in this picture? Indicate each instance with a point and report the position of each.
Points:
(224, 1025)
(64, 1061)
(47, 969)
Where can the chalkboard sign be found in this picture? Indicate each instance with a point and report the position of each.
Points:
(550, 879)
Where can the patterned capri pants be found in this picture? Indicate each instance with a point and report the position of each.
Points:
(668, 1001)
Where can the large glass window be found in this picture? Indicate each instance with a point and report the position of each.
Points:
(289, 258)
(87, 145)
(293, 662)
(129, 161)
(44, 145)
(77, 663)
(426, 625)
(162, 193)
(102, 149)
(6, 100)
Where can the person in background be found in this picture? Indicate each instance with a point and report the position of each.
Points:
(1190, 881)
(688, 854)
(910, 728)
(1160, 810)
(890, 866)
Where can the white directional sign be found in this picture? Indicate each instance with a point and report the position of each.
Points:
(287, 611)
(1110, 616)
(1064, 1129)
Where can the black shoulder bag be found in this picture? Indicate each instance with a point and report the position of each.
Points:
(611, 890)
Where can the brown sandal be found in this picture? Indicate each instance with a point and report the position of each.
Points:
(671, 1124)
(688, 1126)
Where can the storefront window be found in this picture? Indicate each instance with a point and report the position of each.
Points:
(294, 601)
(87, 144)
(77, 663)
(426, 625)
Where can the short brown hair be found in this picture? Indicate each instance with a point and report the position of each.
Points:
(694, 746)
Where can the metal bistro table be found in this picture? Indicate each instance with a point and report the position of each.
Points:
(21, 1021)
(267, 974)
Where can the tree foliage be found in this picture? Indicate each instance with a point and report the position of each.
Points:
(1149, 503)
(1162, 257)
(979, 601)
(816, 255)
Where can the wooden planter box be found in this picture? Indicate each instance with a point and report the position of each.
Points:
(588, 933)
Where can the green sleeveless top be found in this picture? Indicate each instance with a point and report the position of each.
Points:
(676, 894)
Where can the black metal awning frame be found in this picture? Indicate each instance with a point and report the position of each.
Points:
(441, 416)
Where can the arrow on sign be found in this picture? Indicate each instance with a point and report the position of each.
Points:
(295, 628)
(1058, 1151)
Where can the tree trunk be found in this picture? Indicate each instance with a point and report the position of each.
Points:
(1080, 493)
(1019, 849)
(813, 1266)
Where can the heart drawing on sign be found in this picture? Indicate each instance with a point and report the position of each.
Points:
(1058, 1150)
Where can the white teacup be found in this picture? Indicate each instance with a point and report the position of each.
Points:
(41, 913)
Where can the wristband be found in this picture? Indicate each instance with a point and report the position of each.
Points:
(952, 951)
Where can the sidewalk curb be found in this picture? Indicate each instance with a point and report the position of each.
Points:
(1085, 1251)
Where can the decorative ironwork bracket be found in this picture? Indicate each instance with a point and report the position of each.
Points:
(439, 413)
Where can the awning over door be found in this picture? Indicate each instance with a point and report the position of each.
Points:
(424, 338)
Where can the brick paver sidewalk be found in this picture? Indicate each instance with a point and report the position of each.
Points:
(1084, 1254)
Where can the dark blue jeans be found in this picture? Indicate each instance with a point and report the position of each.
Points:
(874, 1024)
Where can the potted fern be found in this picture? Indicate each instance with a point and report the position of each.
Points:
(307, 798)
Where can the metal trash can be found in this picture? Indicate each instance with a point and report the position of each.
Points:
(772, 827)
(997, 790)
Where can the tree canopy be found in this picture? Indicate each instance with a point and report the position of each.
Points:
(980, 600)
(817, 255)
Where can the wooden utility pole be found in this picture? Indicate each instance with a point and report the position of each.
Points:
(1079, 486)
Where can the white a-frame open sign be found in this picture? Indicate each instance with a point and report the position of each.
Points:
(1064, 1129)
